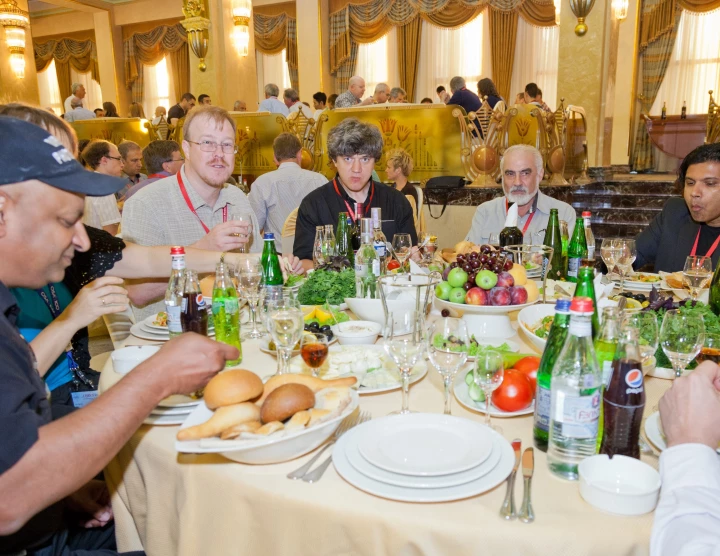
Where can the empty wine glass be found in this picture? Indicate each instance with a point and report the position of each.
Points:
(427, 244)
(626, 255)
(249, 278)
(609, 253)
(494, 239)
(681, 338)
(245, 217)
(448, 345)
(697, 274)
(402, 244)
(285, 323)
(488, 375)
(405, 343)
(645, 322)
(314, 350)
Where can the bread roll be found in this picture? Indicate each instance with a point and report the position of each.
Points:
(237, 430)
(231, 387)
(332, 399)
(269, 428)
(317, 415)
(222, 419)
(315, 384)
(286, 401)
(299, 420)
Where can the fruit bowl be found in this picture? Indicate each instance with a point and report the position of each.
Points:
(480, 309)
(491, 320)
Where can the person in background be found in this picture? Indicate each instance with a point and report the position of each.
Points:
(271, 103)
(99, 113)
(353, 96)
(162, 159)
(533, 95)
(110, 110)
(687, 517)
(82, 143)
(78, 112)
(102, 212)
(239, 106)
(426, 100)
(442, 94)
(180, 110)
(461, 96)
(398, 169)
(522, 169)
(291, 98)
(276, 194)
(77, 90)
(331, 101)
(689, 225)
(132, 163)
(381, 94)
(319, 103)
(397, 94)
(520, 98)
(160, 112)
(486, 88)
(136, 111)
(205, 99)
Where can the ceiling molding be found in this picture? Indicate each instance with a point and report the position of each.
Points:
(46, 13)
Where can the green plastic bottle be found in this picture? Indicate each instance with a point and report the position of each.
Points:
(577, 250)
(272, 272)
(226, 311)
(605, 345)
(343, 238)
(586, 288)
(553, 238)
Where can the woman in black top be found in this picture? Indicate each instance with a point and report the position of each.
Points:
(486, 88)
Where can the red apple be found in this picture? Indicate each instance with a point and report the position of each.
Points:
(477, 296)
(500, 296)
(518, 295)
(505, 280)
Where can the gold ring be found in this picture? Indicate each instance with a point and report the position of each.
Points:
(103, 300)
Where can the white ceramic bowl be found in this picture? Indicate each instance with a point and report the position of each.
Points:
(621, 485)
(529, 317)
(372, 309)
(356, 332)
(263, 451)
(479, 309)
(126, 359)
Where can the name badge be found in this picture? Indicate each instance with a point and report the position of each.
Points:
(81, 399)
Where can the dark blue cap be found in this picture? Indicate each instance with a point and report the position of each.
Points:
(28, 152)
(268, 235)
(562, 305)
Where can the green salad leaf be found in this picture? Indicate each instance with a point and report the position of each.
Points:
(475, 348)
(327, 285)
(293, 280)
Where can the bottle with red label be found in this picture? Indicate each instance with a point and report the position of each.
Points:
(624, 399)
(194, 309)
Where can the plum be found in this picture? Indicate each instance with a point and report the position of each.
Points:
(505, 280)
(447, 271)
(500, 296)
(477, 296)
(518, 295)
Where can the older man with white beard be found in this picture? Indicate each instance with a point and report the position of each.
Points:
(522, 169)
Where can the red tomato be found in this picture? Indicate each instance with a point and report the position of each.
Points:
(529, 367)
(392, 265)
(515, 392)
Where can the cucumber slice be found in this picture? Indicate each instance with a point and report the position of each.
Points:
(476, 393)
(469, 378)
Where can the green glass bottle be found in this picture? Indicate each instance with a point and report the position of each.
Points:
(565, 242)
(272, 272)
(586, 288)
(343, 238)
(553, 238)
(226, 311)
(577, 250)
(605, 345)
(714, 300)
(555, 342)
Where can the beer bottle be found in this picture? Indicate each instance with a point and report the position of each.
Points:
(194, 310)
(577, 250)
(586, 288)
(272, 272)
(226, 311)
(511, 234)
(173, 294)
(553, 238)
(343, 243)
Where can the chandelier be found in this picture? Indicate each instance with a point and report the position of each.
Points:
(241, 26)
(15, 21)
(620, 7)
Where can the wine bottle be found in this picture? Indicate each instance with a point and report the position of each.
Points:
(553, 238)
(663, 115)
(511, 234)
(577, 250)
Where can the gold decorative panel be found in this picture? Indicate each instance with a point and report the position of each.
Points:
(114, 130)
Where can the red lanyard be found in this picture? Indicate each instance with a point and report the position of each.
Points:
(159, 176)
(351, 212)
(192, 209)
(527, 224)
(712, 247)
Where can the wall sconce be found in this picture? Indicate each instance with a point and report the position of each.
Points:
(581, 9)
(557, 4)
(241, 26)
(620, 8)
(15, 21)
(197, 26)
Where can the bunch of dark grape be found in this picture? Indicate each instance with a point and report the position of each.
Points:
(486, 259)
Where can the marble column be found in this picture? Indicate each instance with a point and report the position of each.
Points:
(12, 88)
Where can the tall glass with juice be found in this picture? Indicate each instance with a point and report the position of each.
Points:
(226, 311)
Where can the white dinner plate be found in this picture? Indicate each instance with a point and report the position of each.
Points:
(179, 400)
(460, 389)
(148, 326)
(404, 494)
(653, 434)
(153, 419)
(424, 444)
(180, 410)
(410, 481)
(138, 331)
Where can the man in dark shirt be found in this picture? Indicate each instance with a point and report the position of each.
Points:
(353, 146)
(187, 101)
(462, 97)
(689, 226)
(46, 467)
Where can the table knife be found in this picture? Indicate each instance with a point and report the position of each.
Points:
(508, 507)
(526, 514)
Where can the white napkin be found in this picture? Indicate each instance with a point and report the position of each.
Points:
(512, 216)
(602, 290)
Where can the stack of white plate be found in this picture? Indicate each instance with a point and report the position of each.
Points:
(147, 330)
(423, 457)
(534, 273)
(173, 410)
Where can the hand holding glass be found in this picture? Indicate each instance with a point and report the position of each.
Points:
(448, 343)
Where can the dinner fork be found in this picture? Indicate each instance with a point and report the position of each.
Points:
(347, 424)
(316, 474)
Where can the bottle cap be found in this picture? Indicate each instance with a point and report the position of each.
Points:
(366, 226)
(586, 213)
(177, 250)
(562, 306)
(581, 305)
(269, 235)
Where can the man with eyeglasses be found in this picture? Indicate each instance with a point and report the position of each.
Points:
(522, 169)
(162, 159)
(103, 157)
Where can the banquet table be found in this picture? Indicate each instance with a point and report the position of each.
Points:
(192, 504)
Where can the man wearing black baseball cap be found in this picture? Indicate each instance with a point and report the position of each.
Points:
(46, 467)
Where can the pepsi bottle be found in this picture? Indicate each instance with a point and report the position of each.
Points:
(624, 399)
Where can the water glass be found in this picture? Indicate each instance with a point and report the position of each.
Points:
(697, 274)
(645, 322)
(681, 338)
(314, 350)
(285, 323)
(249, 279)
(427, 244)
(402, 245)
(319, 247)
(246, 217)
(488, 375)
(405, 343)
(622, 252)
(329, 242)
(448, 344)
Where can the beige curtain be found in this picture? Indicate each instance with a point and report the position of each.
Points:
(62, 69)
(291, 53)
(67, 52)
(408, 39)
(503, 30)
(179, 68)
(275, 33)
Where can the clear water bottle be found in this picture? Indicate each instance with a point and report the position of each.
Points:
(318, 247)
(174, 293)
(575, 396)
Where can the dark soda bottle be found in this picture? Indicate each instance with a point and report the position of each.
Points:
(194, 309)
(624, 399)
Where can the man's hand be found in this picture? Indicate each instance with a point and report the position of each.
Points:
(367, 102)
(690, 410)
(290, 264)
(187, 363)
(91, 503)
(226, 236)
(415, 254)
(100, 297)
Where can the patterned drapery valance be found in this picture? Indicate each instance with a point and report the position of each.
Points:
(275, 33)
(81, 55)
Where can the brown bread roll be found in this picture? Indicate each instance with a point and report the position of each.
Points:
(315, 384)
(286, 401)
(231, 387)
(222, 419)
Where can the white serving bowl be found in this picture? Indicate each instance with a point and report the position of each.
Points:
(530, 316)
(372, 309)
(126, 359)
(356, 332)
(619, 485)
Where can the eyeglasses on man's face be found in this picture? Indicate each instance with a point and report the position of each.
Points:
(211, 146)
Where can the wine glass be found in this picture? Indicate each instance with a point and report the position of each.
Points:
(447, 346)
(488, 375)
(494, 239)
(314, 350)
(697, 274)
(405, 343)
(645, 322)
(427, 244)
(626, 255)
(681, 338)
(402, 244)
(245, 217)
(285, 323)
(249, 277)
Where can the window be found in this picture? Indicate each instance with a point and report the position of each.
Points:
(93, 93)
(157, 88)
(377, 62)
(271, 68)
(536, 61)
(694, 68)
(49, 90)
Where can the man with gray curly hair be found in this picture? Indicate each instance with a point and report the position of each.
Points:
(353, 147)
